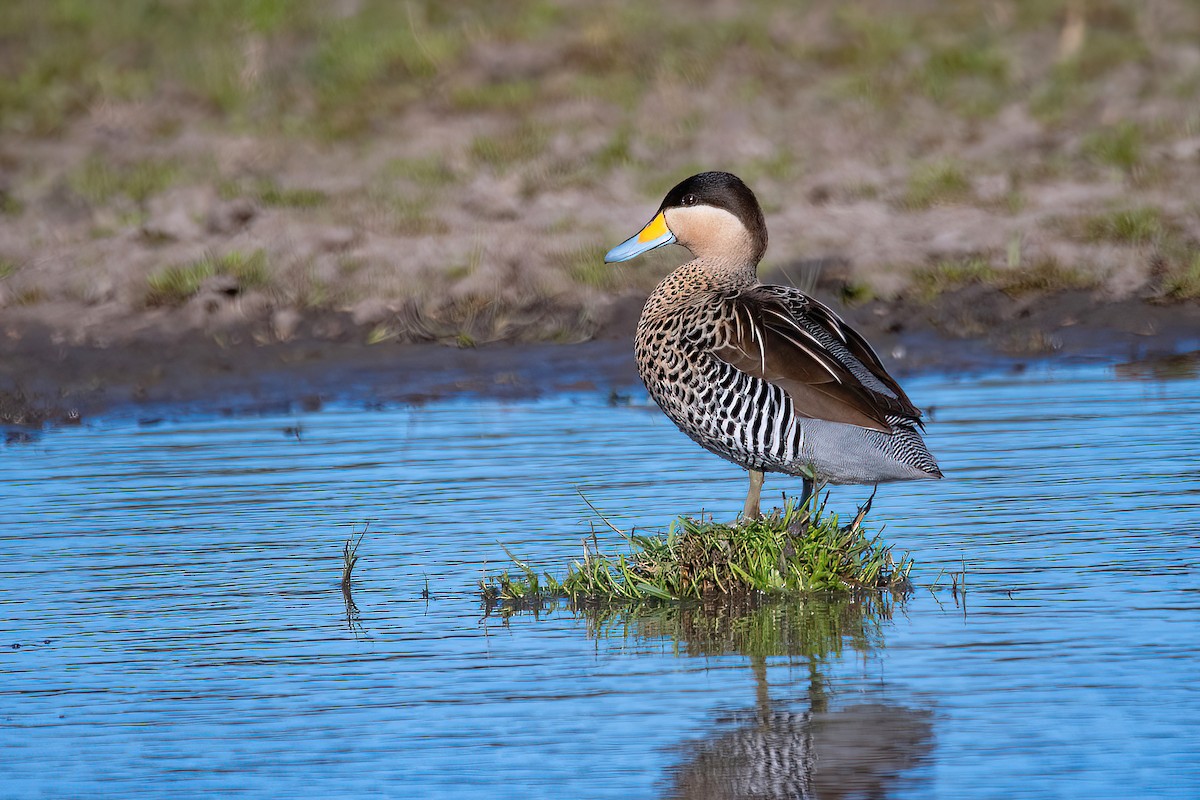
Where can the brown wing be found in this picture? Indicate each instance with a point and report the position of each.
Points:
(802, 347)
(861, 353)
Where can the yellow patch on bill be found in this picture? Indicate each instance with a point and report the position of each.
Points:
(655, 228)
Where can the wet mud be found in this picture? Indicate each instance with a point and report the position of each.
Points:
(43, 380)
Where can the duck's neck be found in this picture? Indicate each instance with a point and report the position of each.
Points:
(716, 274)
(695, 279)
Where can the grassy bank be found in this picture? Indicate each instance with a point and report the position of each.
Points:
(453, 173)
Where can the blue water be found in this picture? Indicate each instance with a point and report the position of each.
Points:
(172, 624)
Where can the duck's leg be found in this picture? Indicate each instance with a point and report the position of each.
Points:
(799, 524)
(752, 511)
(806, 492)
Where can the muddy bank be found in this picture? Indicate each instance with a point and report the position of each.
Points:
(45, 380)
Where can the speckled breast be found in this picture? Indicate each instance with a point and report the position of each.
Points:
(740, 418)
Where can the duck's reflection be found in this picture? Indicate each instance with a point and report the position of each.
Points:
(858, 751)
(801, 747)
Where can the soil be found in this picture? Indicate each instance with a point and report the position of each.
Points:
(44, 380)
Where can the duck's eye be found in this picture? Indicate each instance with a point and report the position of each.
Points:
(689, 199)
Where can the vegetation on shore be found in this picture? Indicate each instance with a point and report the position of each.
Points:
(791, 550)
(456, 171)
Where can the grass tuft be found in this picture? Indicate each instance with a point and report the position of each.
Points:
(429, 172)
(524, 143)
(935, 184)
(1045, 276)
(99, 181)
(1140, 225)
(1119, 146)
(967, 77)
(586, 265)
(177, 284)
(272, 194)
(502, 96)
(1184, 283)
(945, 276)
(792, 550)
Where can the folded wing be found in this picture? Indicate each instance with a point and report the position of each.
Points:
(786, 338)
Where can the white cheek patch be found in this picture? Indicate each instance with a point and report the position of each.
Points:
(708, 229)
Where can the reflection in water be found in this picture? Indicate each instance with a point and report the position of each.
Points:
(859, 751)
(353, 615)
(774, 749)
(816, 627)
(1180, 366)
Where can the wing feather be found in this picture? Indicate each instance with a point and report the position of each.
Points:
(823, 364)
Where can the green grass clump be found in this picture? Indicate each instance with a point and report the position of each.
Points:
(1184, 283)
(586, 265)
(1119, 146)
(501, 96)
(272, 194)
(412, 216)
(1044, 277)
(524, 143)
(935, 184)
(251, 271)
(10, 206)
(968, 77)
(697, 559)
(177, 284)
(430, 172)
(174, 285)
(864, 40)
(379, 58)
(99, 180)
(946, 276)
(1128, 226)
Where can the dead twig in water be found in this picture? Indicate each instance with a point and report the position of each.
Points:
(941, 572)
(350, 556)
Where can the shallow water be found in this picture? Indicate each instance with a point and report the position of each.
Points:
(172, 623)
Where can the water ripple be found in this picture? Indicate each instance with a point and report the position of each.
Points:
(172, 623)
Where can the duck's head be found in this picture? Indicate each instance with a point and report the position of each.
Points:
(713, 214)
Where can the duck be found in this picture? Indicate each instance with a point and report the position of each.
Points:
(763, 375)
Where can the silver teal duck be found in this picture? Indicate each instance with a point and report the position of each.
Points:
(762, 375)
